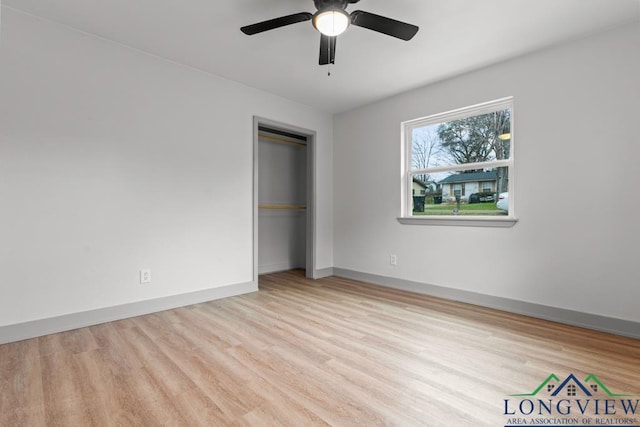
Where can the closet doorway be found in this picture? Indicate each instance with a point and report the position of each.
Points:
(283, 198)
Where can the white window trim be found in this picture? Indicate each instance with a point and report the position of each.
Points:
(464, 221)
(406, 216)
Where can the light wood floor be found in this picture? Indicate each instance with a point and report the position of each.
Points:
(301, 352)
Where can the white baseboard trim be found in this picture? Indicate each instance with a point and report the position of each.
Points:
(570, 317)
(67, 322)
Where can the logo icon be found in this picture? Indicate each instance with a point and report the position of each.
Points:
(571, 384)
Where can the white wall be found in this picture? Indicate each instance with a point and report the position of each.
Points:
(112, 160)
(577, 150)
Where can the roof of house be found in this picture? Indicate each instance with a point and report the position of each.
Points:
(473, 176)
(419, 182)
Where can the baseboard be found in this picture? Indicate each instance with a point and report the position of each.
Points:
(323, 272)
(570, 317)
(275, 268)
(36, 328)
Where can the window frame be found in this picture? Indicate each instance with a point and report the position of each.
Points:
(406, 213)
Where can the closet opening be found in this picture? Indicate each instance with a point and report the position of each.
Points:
(283, 198)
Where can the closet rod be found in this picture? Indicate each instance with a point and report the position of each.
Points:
(280, 140)
(282, 207)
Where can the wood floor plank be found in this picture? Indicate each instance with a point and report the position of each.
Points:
(302, 352)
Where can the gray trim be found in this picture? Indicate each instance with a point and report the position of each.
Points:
(570, 317)
(323, 272)
(274, 268)
(312, 216)
(460, 221)
(256, 126)
(67, 322)
(311, 191)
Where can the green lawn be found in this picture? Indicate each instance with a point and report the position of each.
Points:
(488, 208)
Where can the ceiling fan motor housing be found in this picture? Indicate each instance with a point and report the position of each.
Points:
(322, 5)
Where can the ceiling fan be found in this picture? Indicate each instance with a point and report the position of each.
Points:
(331, 19)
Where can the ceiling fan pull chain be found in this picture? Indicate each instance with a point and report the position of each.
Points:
(329, 56)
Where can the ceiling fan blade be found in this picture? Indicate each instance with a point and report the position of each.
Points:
(383, 25)
(327, 50)
(276, 23)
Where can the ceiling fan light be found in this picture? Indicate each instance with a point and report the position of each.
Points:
(331, 22)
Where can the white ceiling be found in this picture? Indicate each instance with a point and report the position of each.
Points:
(455, 36)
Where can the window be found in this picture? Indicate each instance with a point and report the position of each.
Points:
(464, 159)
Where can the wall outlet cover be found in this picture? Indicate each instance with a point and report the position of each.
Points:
(145, 275)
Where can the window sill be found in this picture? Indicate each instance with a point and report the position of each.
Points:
(460, 221)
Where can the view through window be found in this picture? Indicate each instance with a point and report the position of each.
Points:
(458, 163)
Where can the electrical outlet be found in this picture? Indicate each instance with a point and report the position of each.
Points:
(393, 259)
(145, 275)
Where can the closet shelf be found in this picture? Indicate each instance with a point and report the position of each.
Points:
(290, 207)
(279, 140)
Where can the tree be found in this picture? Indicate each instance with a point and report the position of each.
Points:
(465, 140)
(501, 121)
(477, 139)
(424, 150)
